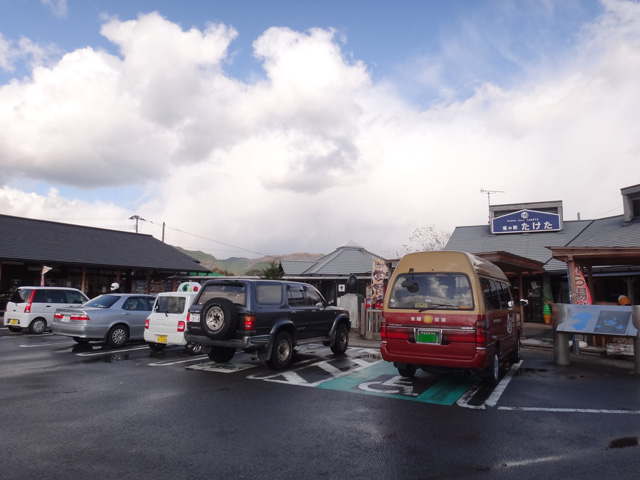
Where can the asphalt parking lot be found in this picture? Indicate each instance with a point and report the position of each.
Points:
(74, 411)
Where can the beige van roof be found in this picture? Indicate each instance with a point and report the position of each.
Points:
(448, 261)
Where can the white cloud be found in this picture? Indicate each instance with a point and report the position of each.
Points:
(315, 153)
(57, 7)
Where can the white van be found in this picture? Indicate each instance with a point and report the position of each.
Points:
(34, 307)
(168, 319)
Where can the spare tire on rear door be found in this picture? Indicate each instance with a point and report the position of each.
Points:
(219, 318)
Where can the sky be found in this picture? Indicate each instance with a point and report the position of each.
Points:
(252, 128)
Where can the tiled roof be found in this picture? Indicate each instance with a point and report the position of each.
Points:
(478, 238)
(609, 232)
(23, 239)
(604, 232)
(344, 261)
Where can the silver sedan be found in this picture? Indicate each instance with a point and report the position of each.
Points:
(115, 318)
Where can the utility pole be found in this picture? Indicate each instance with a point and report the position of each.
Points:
(489, 192)
(136, 218)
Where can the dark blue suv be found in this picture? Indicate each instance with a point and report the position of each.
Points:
(268, 317)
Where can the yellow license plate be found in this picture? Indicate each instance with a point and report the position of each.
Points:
(13, 321)
(162, 339)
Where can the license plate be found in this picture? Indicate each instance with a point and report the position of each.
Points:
(66, 318)
(162, 339)
(427, 336)
(13, 321)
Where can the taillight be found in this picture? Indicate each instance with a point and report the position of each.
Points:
(58, 316)
(146, 324)
(182, 326)
(249, 322)
(81, 316)
(27, 308)
(402, 334)
(481, 332)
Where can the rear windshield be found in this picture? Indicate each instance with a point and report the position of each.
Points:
(237, 293)
(21, 295)
(426, 291)
(103, 301)
(166, 304)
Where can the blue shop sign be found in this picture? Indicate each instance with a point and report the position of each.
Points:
(526, 221)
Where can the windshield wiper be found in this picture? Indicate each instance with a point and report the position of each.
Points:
(437, 306)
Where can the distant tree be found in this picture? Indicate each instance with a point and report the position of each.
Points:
(221, 271)
(424, 239)
(272, 271)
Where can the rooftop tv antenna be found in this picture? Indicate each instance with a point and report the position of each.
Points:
(489, 192)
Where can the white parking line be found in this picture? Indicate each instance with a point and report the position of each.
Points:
(175, 362)
(110, 351)
(570, 410)
(30, 345)
(495, 395)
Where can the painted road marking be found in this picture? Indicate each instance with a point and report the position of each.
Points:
(465, 400)
(381, 379)
(221, 367)
(570, 410)
(31, 345)
(110, 351)
(316, 373)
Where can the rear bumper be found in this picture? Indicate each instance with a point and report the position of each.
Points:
(479, 361)
(79, 329)
(246, 343)
(173, 338)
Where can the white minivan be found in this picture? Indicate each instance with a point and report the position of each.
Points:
(34, 307)
(168, 319)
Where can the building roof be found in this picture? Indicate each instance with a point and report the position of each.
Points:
(604, 232)
(345, 260)
(28, 240)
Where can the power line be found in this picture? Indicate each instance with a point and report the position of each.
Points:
(199, 236)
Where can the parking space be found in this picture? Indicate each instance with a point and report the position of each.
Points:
(534, 384)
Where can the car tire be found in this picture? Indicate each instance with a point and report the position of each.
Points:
(13, 328)
(281, 352)
(222, 354)
(193, 348)
(38, 326)
(117, 336)
(219, 318)
(515, 355)
(491, 375)
(156, 347)
(81, 341)
(341, 342)
(407, 372)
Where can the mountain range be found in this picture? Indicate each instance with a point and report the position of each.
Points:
(244, 266)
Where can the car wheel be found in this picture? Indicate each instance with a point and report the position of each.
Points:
(222, 354)
(407, 372)
(491, 375)
(156, 347)
(117, 336)
(193, 348)
(282, 352)
(80, 340)
(13, 328)
(342, 340)
(219, 318)
(515, 355)
(38, 326)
